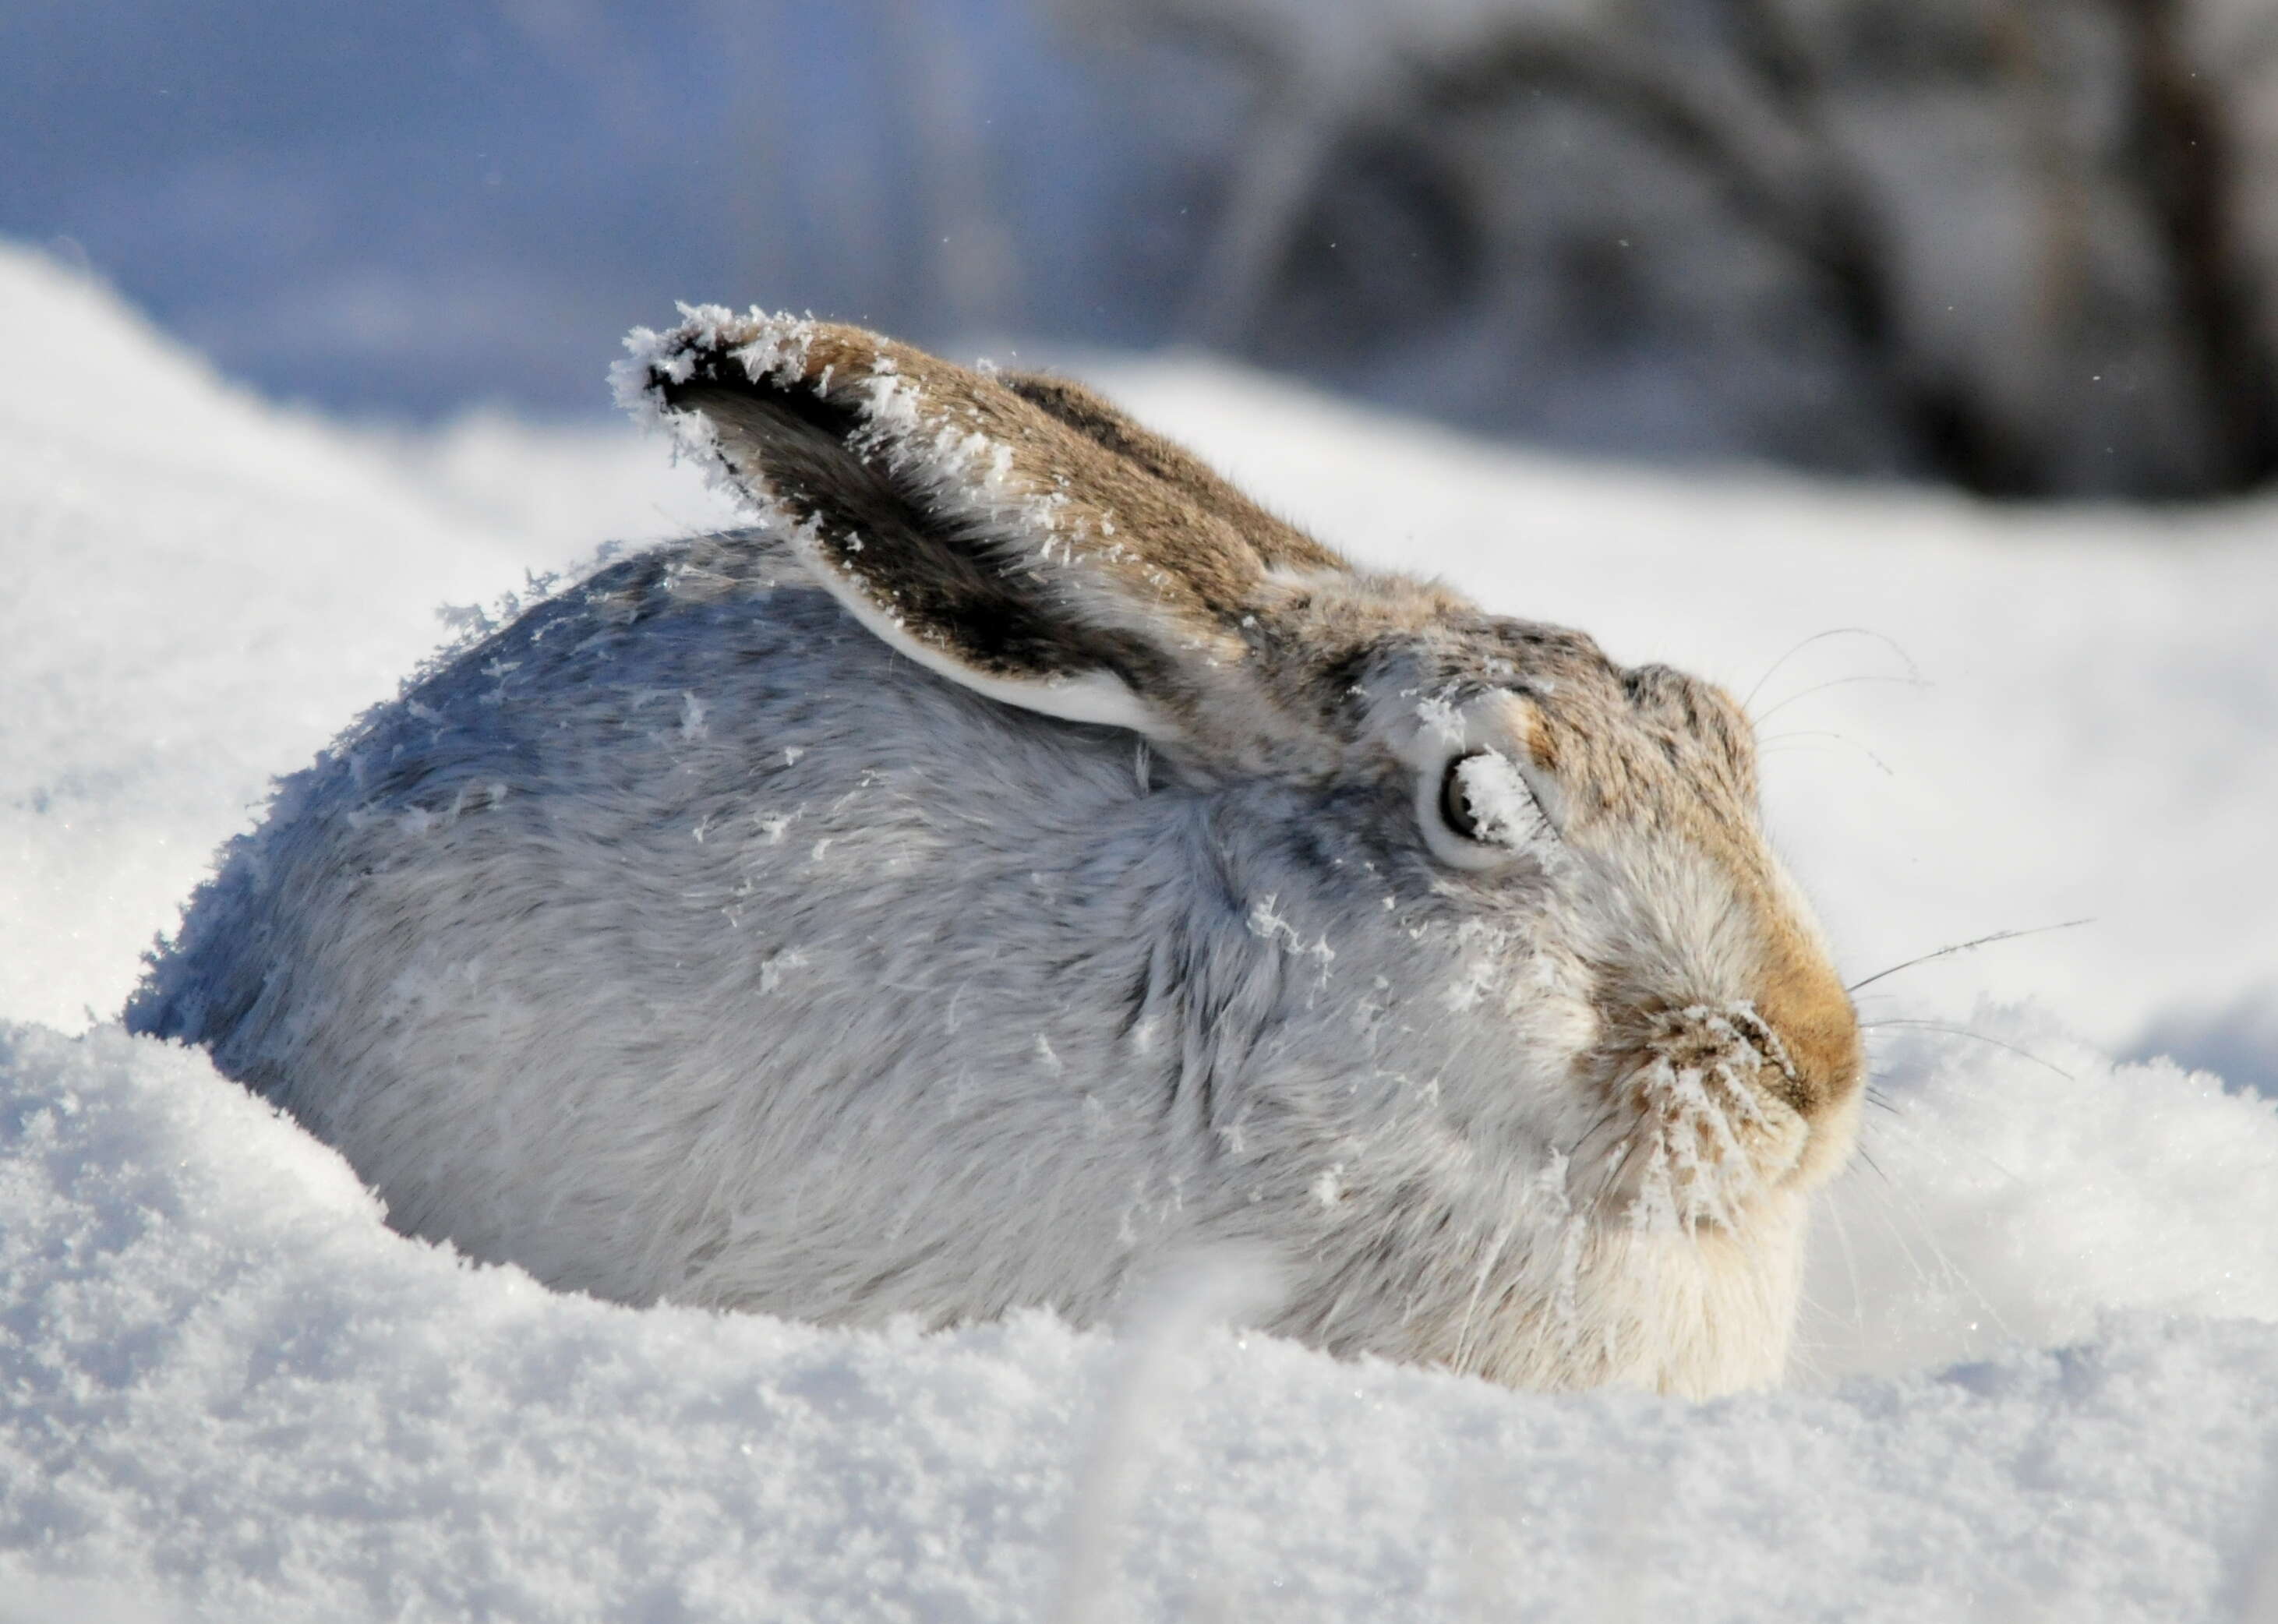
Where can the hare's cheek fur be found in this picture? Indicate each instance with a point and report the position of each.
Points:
(1663, 966)
(1709, 1107)
(1002, 867)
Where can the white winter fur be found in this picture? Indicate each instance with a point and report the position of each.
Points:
(687, 941)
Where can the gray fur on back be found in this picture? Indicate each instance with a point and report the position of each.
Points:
(1029, 996)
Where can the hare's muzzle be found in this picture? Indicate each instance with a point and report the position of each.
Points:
(1715, 1107)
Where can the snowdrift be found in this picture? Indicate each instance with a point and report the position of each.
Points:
(231, 1393)
(2043, 1348)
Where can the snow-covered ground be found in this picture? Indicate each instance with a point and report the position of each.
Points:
(2041, 1362)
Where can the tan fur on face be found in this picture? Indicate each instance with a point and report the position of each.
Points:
(1682, 776)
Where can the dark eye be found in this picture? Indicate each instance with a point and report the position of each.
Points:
(1455, 808)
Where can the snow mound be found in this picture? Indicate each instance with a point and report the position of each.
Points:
(2019, 1185)
(203, 587)
(230, 1392)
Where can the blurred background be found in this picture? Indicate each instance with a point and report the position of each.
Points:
(2026, 248)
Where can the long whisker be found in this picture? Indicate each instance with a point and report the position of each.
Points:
(1828, 733)
(1594, 1129)
(1851, 1268)
(1964, 1031)
(1869, 676)
(1620, 1167)
(1896, 1202)
(1821, 636)
(1931, 1142)
(1964, 947)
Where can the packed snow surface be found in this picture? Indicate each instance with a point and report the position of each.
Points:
(2041, 1359)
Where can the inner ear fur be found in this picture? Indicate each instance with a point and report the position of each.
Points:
(934, 586)
(1018, 534)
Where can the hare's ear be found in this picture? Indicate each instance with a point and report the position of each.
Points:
(1016, 535)
(1282, 544)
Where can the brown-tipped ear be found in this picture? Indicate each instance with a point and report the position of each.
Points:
(977, 530)
(1282, 546)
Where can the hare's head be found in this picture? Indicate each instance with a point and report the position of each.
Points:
(1539, 875)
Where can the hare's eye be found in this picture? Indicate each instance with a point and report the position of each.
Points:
(1485, 800)
(1458, 809)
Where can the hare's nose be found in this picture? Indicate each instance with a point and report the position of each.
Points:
(1801, 1000)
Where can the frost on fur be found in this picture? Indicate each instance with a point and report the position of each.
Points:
(1715, 1137)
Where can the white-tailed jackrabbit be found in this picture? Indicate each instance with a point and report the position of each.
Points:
(1019, 856)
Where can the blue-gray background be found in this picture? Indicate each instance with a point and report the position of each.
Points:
(2019, 246)
(400, 207)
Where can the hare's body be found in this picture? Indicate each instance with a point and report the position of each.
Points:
(689, 938)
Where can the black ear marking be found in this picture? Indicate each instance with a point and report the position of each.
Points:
(940, 584)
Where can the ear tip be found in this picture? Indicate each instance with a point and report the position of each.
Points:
(764, 347)
(705, 337)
